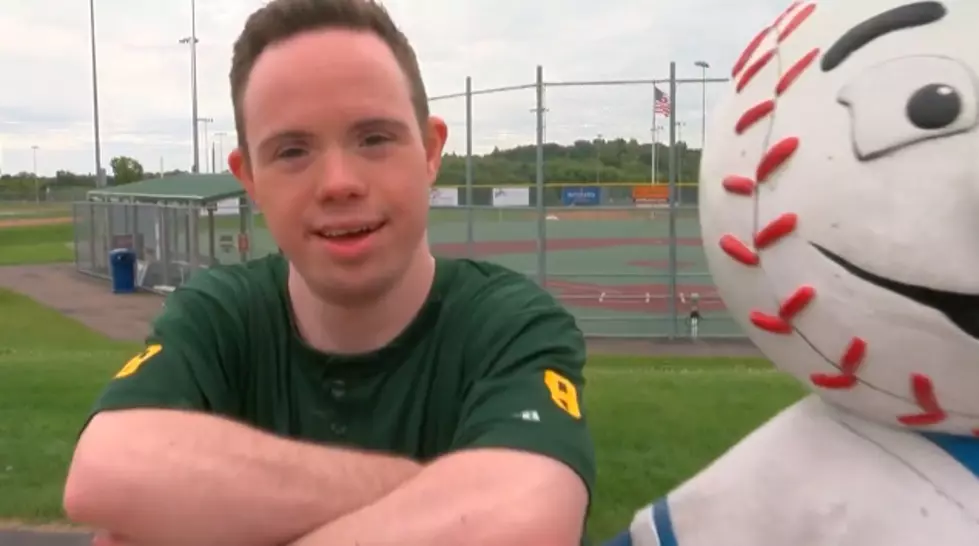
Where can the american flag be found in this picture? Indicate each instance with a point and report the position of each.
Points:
(661, 102)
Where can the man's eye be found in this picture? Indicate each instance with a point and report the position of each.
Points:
(290, 153)
(376, 140)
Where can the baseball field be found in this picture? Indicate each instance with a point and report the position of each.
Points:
(657, 416)
(610, 266)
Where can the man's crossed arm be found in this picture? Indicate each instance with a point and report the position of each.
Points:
(483, 497)
(168, 478)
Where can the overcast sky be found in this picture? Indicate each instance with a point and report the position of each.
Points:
(144, 73)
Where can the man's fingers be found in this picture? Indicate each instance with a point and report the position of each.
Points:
(104, 538)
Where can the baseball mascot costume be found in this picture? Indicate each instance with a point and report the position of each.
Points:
(839, 202)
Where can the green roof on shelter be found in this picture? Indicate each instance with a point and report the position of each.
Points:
(201, 188)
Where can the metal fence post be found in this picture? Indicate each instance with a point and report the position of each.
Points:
(74, 233)
(541, 209)
(470, 211)
(674, 330)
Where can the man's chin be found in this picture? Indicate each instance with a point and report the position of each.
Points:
(346, 290)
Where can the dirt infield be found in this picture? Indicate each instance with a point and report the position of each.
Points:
(27, 222)
(644, 298)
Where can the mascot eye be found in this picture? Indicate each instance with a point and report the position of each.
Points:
(908, 100)
(934, 106)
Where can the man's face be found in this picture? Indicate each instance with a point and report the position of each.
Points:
(337, 162)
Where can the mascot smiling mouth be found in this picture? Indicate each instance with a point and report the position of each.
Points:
(961, 309)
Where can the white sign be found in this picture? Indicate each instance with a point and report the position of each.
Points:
(511, 197)
(224, 207)
(444, 197)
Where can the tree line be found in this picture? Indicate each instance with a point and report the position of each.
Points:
(603, 161)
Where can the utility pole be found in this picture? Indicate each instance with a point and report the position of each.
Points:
(206, 122)
(703, 104)
(37, 183)
(99, 172)
(192, 41)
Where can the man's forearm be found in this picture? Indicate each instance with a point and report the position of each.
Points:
(169, 477)
(476, 498)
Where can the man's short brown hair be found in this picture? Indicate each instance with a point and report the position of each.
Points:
(283, 19)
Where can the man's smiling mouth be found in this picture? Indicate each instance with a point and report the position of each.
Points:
(961, 309)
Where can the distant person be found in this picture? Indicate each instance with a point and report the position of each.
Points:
(694, 316)
(352, 389)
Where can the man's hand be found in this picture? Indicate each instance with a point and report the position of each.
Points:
(168, 478)
(105, 538)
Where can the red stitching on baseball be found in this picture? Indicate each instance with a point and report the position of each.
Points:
(754, 69)
(736, 249)
(770, 323)
(784, 14)
(749, 50)
(797, 302)
(924, 395)
(795, 71)
(849, 364)
(797, 20)
(775, 157)
(739, 185)
(788, 310)
(755, 42)
(775, 230)
(753, 115)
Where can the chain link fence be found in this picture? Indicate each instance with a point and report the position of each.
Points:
(621, 251)
(171, 241)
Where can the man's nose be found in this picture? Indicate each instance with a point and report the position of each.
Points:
(339, 180)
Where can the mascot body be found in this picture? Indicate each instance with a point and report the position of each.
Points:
(839, 202)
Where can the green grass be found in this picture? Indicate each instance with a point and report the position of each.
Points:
(27, 207)
(655, 421)
(36, 244)
(51, 368)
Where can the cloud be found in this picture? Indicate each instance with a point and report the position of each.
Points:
(144, 72)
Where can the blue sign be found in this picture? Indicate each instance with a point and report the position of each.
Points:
(576, 196)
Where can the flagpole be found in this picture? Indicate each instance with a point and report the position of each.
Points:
(652, 163)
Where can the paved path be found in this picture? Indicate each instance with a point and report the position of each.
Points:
(85, 299)
(128, 317)
(43, 538)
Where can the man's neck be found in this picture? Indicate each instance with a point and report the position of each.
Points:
(341, 329)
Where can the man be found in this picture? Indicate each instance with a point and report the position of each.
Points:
(353, 390)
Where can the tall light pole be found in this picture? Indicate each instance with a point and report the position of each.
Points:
(598, 159)
(703, 65)
(220, 139)
(99, 173)
(680, 153)
(37, 184)
(652, 163)
(192, 41)
(206, 121)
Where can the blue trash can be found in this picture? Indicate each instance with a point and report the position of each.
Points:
(122, 266)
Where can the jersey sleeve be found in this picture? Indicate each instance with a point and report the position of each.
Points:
(528, 394)
(188, 360)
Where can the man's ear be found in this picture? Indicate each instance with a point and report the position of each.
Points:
(436, 133)
(238, 163)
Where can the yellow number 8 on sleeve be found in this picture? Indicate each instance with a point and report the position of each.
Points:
(563, 393)
(138, 360)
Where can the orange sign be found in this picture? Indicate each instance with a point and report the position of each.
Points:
(651, 193)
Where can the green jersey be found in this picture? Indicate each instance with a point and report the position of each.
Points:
(491, 360)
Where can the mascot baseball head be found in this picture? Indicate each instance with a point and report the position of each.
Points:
(840, 205)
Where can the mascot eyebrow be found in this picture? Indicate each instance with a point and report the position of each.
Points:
(902, 17)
